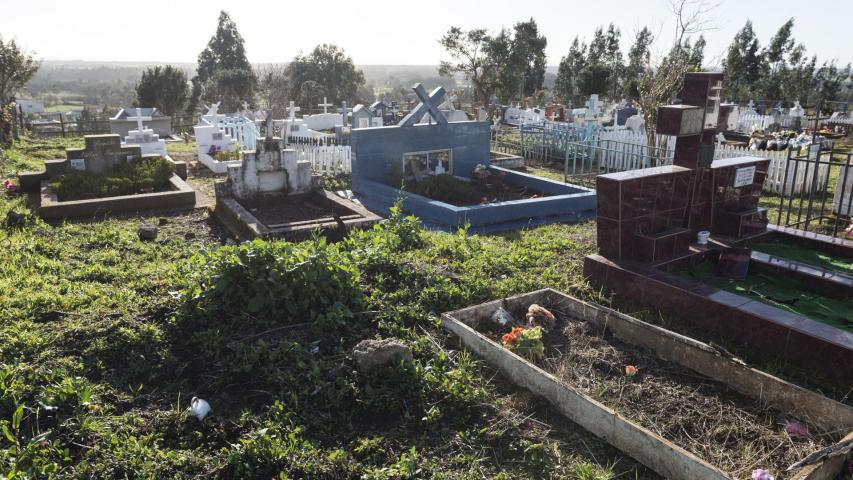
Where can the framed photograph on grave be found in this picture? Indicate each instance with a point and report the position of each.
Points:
(418, 165)
(78, 164)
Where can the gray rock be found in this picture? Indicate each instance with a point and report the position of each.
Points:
(371, 355)
(148, 232)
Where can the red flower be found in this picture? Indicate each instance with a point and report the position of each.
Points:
(511, 338)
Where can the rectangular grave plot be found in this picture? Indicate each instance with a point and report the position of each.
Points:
(662, 415)
(179, 196)
(293, 217)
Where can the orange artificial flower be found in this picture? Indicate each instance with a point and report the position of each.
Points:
(511, 338)
(631, 370)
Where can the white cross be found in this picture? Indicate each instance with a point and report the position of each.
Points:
(293, 109)
(245, 106)
(325, 105)
(139, 118)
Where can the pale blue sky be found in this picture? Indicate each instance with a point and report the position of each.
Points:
(382, 31)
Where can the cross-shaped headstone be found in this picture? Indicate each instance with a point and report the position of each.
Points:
(345, 112)
(245, 107)
(293, 109)
(428, 105)
(213, 109)
(325, 105)
(139, 118)
(269, 126)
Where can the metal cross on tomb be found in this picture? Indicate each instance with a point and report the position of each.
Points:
(245, 107)
(139, 118)
(293, 109)
(429, 104)
(325, 105)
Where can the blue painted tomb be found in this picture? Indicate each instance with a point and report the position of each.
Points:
(383, 157)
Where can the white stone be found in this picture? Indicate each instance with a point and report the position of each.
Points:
(223, 133)
(635, 123)
(797, 110)
(323, 121)
(148, 141)
(270, 170)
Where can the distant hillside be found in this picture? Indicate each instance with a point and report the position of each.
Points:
(112, 84)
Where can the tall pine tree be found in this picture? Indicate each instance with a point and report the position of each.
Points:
(224, 73)
(638, 62)
(742, 66)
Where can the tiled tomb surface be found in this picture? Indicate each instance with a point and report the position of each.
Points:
(648, 219)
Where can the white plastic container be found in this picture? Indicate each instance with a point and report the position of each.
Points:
(702, 237)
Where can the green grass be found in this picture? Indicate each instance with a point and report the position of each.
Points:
(181, 148)
(64, 107)
(104, 340)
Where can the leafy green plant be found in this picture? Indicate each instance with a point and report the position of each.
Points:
(145, 174)
(526, 342)
(446, 188)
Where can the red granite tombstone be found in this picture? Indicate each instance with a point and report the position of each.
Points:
(650, 215)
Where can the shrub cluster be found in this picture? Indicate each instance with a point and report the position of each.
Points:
(147, 173)
(446, 188)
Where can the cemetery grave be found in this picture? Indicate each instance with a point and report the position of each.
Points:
(108, 177)
(673, 403)
(411, 152)
(149, 142)
(647, 220)
(221, 139)
(274, 193)
(482, 190)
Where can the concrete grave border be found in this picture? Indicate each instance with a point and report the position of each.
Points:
(566, 203)
(659, 454)
(243, 225)
(180, 197)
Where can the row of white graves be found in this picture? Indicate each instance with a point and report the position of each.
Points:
(220, 138)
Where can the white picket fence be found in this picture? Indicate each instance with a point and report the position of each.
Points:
(326, 159)
(627, 150)
(623, 150)
(797, 182)
(747, 121)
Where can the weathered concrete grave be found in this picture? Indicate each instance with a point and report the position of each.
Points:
(582, 374)
(101, 155)
(275, 194)
(221, 138)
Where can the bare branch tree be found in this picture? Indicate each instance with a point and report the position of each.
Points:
(691, 17)
(658, 83)
(273, 87)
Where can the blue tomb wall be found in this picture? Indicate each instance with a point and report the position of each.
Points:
(377, 153)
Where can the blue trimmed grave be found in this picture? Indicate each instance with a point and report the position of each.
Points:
(384, 157)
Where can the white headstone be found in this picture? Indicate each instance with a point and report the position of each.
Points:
(292, 110)
(139, 118)
(148, 141)
(325, 105)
